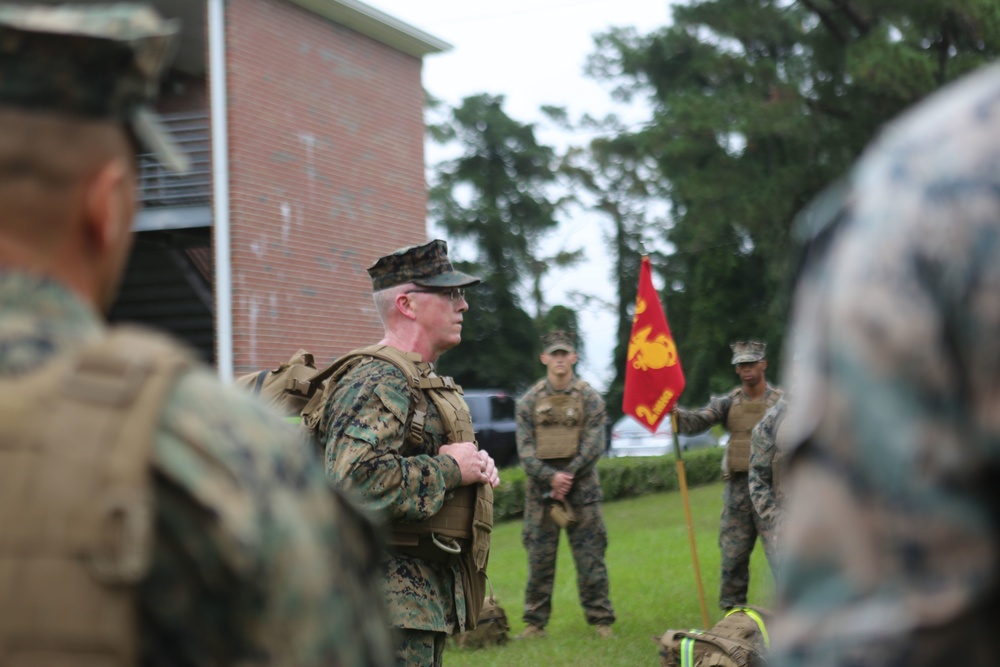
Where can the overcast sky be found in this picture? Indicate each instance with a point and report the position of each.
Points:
(533, 53)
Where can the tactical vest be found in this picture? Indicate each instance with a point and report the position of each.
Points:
(559, 420)
(743, 416)
(467, 514)
(76, 501)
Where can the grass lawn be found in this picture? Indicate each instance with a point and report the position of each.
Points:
(653, 586)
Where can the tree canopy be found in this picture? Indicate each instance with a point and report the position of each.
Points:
(495, 195)
(757, 106)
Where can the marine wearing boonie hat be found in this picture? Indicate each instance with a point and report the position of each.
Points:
(556, 341)
(426, 265)
(748, 352)
(100, 62)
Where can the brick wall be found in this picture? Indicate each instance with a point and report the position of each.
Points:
(326, 172)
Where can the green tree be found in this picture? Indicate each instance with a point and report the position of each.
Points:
(494, 195)
(757, 106)
(499, 345)
(617, 175)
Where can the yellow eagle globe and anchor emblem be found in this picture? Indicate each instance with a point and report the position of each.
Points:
(645, 354)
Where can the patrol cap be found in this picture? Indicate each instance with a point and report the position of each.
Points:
(554, 341)
(747, 352)
(99, 62)
(426, 265)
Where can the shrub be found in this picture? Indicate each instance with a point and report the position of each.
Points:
(620, 478)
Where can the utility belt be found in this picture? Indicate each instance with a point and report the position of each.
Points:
(430, 547)
(442, 537)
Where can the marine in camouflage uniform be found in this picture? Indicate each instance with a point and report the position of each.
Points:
(739, 411)
(571, 477)
(764, 479)
(251, 558)
(892, 542)
(364, 430)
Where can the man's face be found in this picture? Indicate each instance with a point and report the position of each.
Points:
(440, 313)
(751, 373)
(560, 362)
(118, 253)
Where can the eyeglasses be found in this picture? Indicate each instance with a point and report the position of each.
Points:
(453, 293)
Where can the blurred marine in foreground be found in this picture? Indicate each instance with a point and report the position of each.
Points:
(893, 536)
(148, 514)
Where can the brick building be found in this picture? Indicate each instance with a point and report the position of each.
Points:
(304, 119)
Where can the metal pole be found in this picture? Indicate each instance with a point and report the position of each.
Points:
(690, 524)
(220, 189)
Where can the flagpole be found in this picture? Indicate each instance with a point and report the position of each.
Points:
(653, 382)
(690, 524)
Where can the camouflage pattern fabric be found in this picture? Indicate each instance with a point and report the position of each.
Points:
(892, 542)
(764, 494)
(417, 647)
(91, 61)
(363, 430)
(739, 523)
(111, 58)
(588, 541)
(587, 538)
(255, 561)
(426, 265)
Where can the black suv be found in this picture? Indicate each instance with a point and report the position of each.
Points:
(496, 426)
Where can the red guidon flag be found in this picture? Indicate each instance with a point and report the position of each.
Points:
(653, 376)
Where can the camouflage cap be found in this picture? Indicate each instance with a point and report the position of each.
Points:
(747, 352)
(100, 62)
(558, 340)
(426, 265)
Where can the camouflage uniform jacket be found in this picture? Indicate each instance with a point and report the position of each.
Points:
(892, 540)
(764, 458)
(363, 429)
(716, 412)
(586, 485)
(254, 560)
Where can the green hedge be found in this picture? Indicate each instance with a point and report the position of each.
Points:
(620, 478)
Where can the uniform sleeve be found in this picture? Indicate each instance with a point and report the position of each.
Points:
(760, 478)
(254, 554)
(690, 422)
(364, 436)
(536, 470)
(592, 440)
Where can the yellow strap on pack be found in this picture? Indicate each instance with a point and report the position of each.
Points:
(687, 649)
(752, 613)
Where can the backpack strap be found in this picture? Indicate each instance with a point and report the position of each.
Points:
(419, 376)
(732, 651)
(115, 391)
(757, 618)
(687, 650)
(261, 376)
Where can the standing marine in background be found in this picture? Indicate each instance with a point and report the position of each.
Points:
(560, 438)
(149, 515)
(399, 437)
(738, 411)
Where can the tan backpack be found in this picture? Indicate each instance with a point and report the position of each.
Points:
(739, 640)
(491, 628)
(289, 387)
